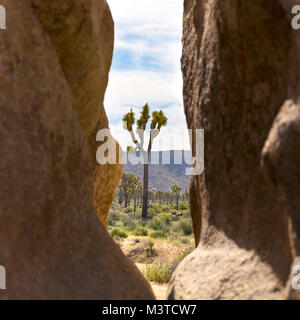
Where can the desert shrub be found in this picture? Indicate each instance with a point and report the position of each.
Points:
(114, 215)
(128, 209)
(158, 234)
(143, 223)
(157, 208)
(176, 227)
(184, 240)
(165, 209)
(119, 233)
(158, 272)
(149, 248)
(167, 220)
(131, 227)
(127, 221)
(150, 245)
(186, 227)
(183, 207)
(158, 224)
(151, 212)
(118, 224)
(141, 232)
(138, 212)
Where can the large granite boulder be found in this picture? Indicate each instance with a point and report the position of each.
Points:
(240, 65)
(82, 33)
(54, 62)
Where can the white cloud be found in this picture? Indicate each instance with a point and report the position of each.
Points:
(133, 88)
(148, 28)
(148, 12)
(164, 53)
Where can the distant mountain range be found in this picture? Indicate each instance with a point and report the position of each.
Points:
(161, 175)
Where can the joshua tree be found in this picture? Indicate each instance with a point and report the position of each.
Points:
(176, 191)
(127, 187)
(138, 191)
(158, 120)
(159, 196)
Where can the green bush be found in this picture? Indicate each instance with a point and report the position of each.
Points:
(114, 215)
(167, 220)
(131, 227)
(150, 245)
(158, 234)
(127, 221)
(128, 209)
(118, 233)
(143, 223)
(156, 207)
(165, 209)
(183, 207)
(186, 227)
(141, 232)
(158, 224)
(158, 272)
(151, 212)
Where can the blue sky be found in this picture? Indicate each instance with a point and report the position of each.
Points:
(146, 67)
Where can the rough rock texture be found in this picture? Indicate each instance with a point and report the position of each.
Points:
(82, 34)
(51, 242)
(239, 65)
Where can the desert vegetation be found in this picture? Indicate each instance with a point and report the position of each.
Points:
(158, 244)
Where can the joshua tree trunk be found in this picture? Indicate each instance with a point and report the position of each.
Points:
(177, 200)
(145, 192)
(134, 208)
(126, 201)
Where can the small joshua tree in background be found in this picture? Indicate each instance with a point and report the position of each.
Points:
(137, 192)
(176, 192)
(158, 120)
(128, 186)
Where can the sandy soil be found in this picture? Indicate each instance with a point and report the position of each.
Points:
(160, 290)
(164, 250)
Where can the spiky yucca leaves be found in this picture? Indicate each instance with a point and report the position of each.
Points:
(144, 118)
(129, 120)
(158, 120)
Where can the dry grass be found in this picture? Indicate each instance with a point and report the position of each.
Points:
(158, 272)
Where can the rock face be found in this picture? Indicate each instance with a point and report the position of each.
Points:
(82, 34)
(54, 62)
(240, 65)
